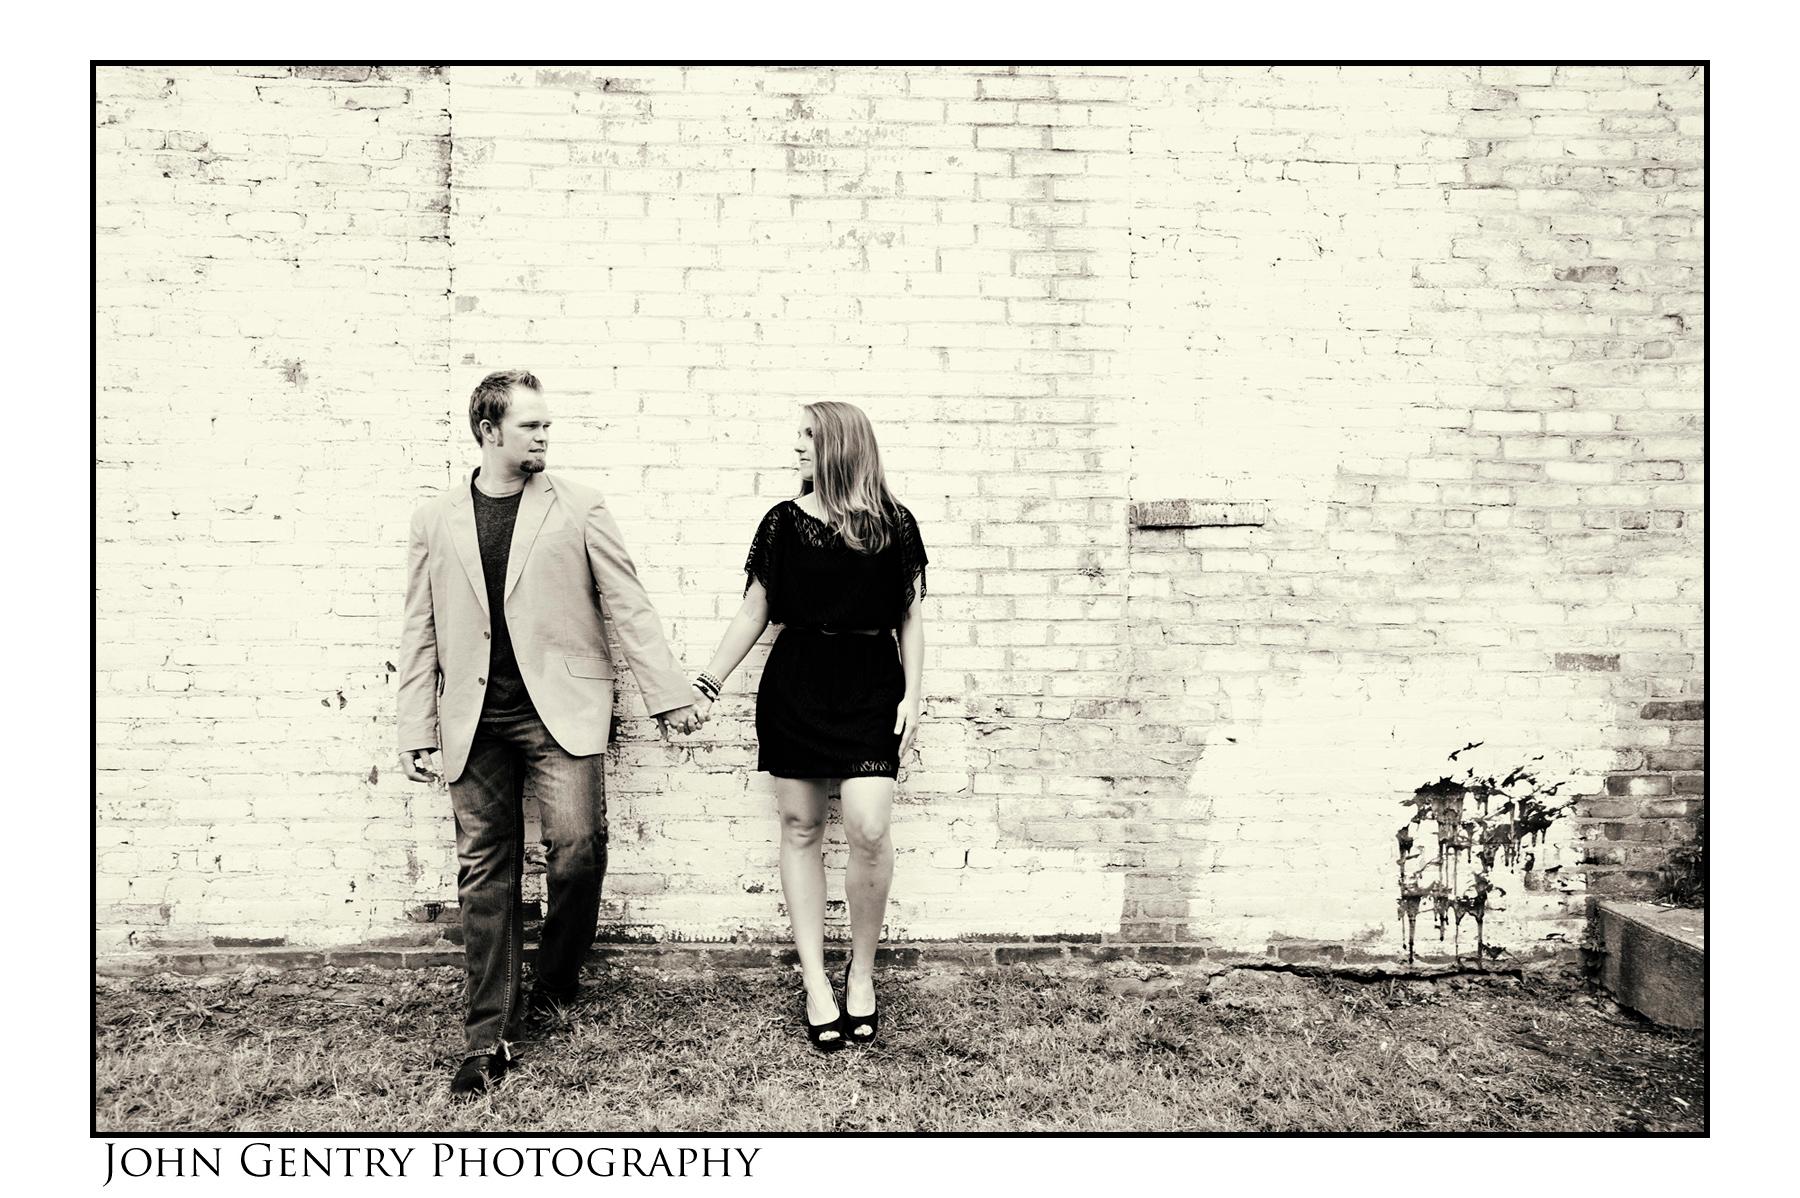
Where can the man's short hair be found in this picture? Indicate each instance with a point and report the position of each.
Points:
(493, 395)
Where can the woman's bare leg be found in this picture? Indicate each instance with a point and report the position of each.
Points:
(801, 804)
(868, 805)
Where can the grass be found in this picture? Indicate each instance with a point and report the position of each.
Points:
(1116, 1048)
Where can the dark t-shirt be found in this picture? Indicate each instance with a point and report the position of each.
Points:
(494, 519)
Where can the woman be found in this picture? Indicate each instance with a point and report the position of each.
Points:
(842, 569)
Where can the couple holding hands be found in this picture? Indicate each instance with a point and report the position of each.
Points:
(505, 670)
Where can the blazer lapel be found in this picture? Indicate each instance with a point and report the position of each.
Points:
(534, 505)
(468, 547)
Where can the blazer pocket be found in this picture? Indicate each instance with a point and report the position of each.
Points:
(590, 667)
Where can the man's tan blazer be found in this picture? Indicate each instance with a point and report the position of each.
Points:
(567, 561)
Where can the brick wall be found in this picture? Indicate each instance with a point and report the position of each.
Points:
(1427, 344)
(273, 326)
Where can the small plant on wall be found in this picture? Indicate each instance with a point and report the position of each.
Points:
(1478, 821)
(1682, 879)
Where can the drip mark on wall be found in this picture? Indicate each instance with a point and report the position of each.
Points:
(1477, 838)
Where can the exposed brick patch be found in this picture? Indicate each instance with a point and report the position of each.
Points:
(385, 958)
(1612, 883)
(1587, 661)
(1308, 953)
(1017, 954)
(1686, 710)
(1193, 513)
(1637, 785)
(1105, 952)
(1587, 274)
(341, 74)
(1172, 954)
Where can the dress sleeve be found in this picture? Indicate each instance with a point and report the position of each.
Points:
(912, 560)
(760, 566)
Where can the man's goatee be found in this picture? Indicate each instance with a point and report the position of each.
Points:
(531, 465)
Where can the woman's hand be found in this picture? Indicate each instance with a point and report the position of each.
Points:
(906, 723)
(703, 704)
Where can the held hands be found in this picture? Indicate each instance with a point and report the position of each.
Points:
(693, 717)
(906, 723)
(684, 720)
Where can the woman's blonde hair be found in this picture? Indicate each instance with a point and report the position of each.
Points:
(847, 476)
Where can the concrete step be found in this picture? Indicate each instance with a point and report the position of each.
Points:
(1653, 959)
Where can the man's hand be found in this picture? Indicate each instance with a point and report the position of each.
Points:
(682, 719)
(416, 765)
(703, 706)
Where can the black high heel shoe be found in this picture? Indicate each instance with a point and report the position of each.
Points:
(815, 1032)
(860, 1029)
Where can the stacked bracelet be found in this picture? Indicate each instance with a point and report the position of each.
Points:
(708, 685)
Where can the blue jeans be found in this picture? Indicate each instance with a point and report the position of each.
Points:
(509, 757)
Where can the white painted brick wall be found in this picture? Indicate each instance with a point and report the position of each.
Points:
(1445, 322)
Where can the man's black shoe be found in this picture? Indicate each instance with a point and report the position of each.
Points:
(479, 1073)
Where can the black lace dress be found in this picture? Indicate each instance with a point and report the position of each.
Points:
(829, 697)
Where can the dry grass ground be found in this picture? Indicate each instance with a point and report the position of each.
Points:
(1014, 1049)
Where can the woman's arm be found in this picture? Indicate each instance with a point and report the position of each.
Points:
(912, 662)
(745, 629)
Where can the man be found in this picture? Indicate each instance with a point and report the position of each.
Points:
(504, 668)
